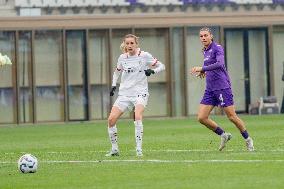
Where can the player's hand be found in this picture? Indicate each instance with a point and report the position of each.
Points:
(196, 70)
(148, 72)
(112, 91)
(201, 75)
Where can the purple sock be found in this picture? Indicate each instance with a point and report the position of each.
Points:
(219, 131)
(245, 134)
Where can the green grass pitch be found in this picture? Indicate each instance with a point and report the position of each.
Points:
(178, 153)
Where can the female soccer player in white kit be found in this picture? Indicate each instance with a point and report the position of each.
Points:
(134, 65)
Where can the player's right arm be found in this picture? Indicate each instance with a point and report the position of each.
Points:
(116, 75)
(201, 75)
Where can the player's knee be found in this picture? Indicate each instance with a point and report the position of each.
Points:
(137, 117)
(232, 118)
(202, 119)
(111, 121)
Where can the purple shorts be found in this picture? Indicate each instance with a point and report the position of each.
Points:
(222, 97)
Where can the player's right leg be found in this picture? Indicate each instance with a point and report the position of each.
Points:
(225, 137)
(203, 118)
(112, 130)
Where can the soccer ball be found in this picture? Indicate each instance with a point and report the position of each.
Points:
(27, 164)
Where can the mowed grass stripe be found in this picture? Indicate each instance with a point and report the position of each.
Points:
(169, 150)
(162, 161)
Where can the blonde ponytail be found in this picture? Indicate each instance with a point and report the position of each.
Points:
(123, 47)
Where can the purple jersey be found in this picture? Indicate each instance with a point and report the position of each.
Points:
(214, 65)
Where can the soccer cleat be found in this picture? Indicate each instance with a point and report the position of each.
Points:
(112, 153)
(225, 137)
(249, 143)
(139, 153)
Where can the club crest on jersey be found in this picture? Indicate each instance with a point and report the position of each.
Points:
(129, 70)
(206, 58)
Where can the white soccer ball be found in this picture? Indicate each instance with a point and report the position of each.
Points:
(5, 60)
(27, 164)
(2, 60)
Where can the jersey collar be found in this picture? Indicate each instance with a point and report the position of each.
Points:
(138, 53)
(209, 47)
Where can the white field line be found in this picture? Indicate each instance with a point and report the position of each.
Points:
(162, 150)
(161, 161)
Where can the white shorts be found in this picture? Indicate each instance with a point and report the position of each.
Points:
(129, 102)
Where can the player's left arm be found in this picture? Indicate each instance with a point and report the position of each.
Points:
(155, 63)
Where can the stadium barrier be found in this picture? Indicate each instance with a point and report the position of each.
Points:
(111, 3)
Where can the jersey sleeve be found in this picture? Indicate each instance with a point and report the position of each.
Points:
(117, 71)
(150, 60)
(119, 63)
(154, 62)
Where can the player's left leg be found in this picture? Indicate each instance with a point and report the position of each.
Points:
(225, 97)
(232, 116)
(139, 109)
(140, 103)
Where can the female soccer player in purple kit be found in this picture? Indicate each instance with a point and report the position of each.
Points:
(218, 90)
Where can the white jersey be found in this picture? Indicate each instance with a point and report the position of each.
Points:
(133, 79)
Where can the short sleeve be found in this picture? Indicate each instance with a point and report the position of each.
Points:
(150, 60)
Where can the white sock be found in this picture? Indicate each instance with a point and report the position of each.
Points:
(112, 133)
(138, 134)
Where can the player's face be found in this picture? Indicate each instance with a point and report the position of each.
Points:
(205, 38)
(131, 45)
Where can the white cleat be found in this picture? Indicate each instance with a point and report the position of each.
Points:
(139, 153)
(249, 143)
(112, 153)
(225, 137)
